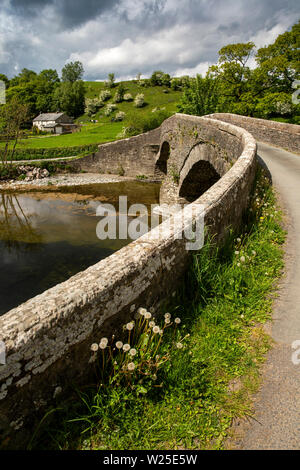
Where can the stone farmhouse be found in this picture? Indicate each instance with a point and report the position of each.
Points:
(55, 123)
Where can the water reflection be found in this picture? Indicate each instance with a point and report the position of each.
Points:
(46, 237)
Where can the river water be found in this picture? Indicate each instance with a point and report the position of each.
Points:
(48, 236)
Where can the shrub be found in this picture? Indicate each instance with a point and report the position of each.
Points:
(92, 105)
(128, 97)
(105, 95)
(139, 100)
(120, 116)
(109, 109)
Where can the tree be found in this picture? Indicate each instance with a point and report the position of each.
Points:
(159, 78)
(111, 80)
(119, 95)
(69, 98)
(50, 76)
(233, 75)
(72, 72)
(13, 116)
(200, 96)
(3, 78)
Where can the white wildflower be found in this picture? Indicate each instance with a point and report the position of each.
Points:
(179, 345)
(243, 259)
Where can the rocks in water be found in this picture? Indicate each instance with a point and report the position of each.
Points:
(32, 172)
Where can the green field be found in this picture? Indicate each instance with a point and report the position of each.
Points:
(105, 130)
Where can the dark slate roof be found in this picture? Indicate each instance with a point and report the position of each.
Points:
(48, 117)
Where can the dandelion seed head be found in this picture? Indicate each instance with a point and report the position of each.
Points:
(142, 311)
(167, 321)
(152, 324)
(132, 352)
(131, 366)
(130, 326)
(119, 344)
(243, 259)
(94, 347)
(156, 329)
(177, 321)
(148, 315)
(102, 345)
(126, 347)
(104, 340)
(167, 315)
(179, 345)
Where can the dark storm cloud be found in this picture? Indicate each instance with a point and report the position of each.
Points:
(130, 36)
(70, 13)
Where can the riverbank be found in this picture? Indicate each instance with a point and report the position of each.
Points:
(60, 180)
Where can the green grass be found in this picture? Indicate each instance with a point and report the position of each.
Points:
(105, 130)
(208, 383)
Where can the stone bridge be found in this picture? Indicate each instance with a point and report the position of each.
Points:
(202, 161)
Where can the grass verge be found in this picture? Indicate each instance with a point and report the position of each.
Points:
(208, 382)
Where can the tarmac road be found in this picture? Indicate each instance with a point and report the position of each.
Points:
(277, 405)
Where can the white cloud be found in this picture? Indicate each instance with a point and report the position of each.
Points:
(134, 36)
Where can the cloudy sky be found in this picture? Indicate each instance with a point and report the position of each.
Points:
(134, 36)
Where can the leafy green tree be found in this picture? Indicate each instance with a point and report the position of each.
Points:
(233, 75)
(70, 98)
(72, 72)
(13, 117)
(200, 96)
(159, 78)
(4, 79)
(50, 76)
(111, 80)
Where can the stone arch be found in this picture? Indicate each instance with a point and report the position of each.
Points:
(200, 178)
(161, 166)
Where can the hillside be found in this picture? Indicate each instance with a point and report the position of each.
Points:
(105, 130)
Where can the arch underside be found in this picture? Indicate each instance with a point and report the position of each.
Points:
(200, 178)
(161, 167)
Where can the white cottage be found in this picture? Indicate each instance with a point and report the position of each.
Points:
(55, 123)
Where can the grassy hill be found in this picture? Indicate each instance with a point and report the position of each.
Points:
(105, 130)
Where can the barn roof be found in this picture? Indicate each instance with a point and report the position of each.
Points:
(48, 116)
